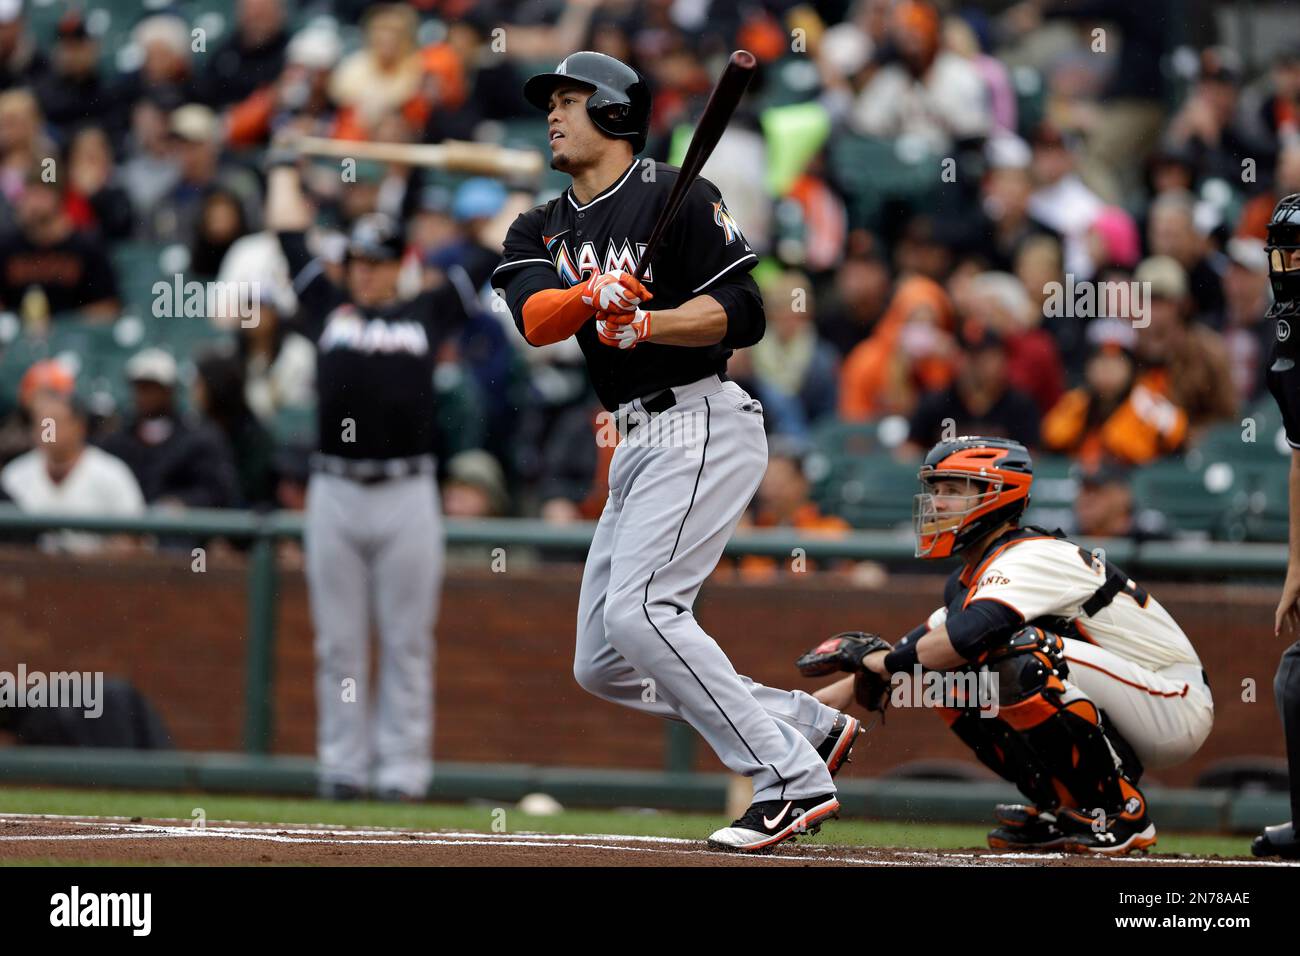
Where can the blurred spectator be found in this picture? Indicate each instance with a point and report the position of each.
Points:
(47, 260)
(1183, 360)
(177, 463)
(62, 474)
(1004, 202)
(1253, 222)
(911, 352)
(783, 501)
(195, 136)
(165, 77)
(23, 143)
(1208, 126)
(385, 76)
(48, 377)
(250, 58)
(1173, 231)
(573, 482)
(475, 487)
(220, 223)
(218, 396)
(74, 92)
(1104, 506)
(279, 363)
(1112, 415)
(928, 94)
(95, 200)
(980, 401)
(999, 301)
(1279, 113)
(150, 171)
(1247, 334)
(792, 358)
(298, 98)
(1061, 200)
(856, 302)
(21, 62)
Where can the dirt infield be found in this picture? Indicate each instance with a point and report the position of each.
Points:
(109, 840)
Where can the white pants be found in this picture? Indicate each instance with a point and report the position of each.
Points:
(1165, 715)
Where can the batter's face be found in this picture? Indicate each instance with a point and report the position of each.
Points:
(575, 141)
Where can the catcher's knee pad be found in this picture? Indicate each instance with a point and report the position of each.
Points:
(1058, 742)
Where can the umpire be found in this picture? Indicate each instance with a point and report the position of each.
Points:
(1284, 382)
(374, 542)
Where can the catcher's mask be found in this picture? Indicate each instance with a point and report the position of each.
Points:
(969, 486)
(1283, 268)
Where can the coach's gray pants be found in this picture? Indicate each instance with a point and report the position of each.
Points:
(678, 485)
(374, 552)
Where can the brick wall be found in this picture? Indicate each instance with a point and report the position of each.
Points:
(505, 688)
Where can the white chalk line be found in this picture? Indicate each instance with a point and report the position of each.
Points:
(325, 835)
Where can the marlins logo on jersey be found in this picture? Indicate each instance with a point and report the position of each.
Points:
(587, 261)
(722, 216)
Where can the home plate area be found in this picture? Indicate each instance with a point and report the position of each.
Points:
(118, 840)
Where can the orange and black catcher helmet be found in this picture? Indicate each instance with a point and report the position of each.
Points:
(995, 473)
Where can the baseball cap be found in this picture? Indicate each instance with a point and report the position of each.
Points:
(47, 375)
(1248, 253)
(1007, 151)
(11, 10)
(478, 198)
(152, 365)
(194, 123)
(72, 26)
(479, 469)
(1167, 277)
(1104, 472)
(1112, 333)
(316, 48)
(376, 236)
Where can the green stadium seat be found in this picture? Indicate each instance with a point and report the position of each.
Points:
(872, 173)
(1195, 501)
(1051, 502)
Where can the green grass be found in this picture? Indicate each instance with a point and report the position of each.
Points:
(484, 817)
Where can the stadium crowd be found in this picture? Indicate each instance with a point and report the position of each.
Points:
(1043, 220)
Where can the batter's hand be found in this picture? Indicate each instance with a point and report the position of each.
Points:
(615, 292)
(621, 330)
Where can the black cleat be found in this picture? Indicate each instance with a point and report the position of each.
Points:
(1281, 840)
(1023, 827)
(769, 822)
(837, 746)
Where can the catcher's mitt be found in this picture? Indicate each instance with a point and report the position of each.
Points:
(844, 652)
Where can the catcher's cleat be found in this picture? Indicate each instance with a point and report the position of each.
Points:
(838, 745)
(769, 822)
(1281, 840)
(1112, 834)
(1023, 827)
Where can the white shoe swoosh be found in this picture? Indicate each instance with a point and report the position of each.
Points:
(773, 824)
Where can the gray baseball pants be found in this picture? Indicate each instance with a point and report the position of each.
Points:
(678, 484)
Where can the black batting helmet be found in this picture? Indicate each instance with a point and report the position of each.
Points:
(620, 100)
(1283, 241)
(376, 236)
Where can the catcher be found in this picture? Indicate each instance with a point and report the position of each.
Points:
(1094, 679)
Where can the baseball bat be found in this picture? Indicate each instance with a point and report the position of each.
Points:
(717, 113)
(485, 159)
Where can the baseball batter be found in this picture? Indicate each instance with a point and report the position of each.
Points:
(1096, 681)
(692, 449)
(373, 533)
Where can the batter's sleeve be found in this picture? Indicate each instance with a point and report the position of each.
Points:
(715, 258)
(526, 267)
(317, 295)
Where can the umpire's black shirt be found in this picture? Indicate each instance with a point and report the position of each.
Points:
(1283, 377)
(562, 243)
(374, 367)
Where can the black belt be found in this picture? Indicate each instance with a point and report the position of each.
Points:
(659, 402)
(367, 471)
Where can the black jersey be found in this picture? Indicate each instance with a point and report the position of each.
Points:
(1283, 378)
(562, 243)
(374, 367)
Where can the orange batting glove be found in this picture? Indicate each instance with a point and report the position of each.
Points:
(616, 291)
(620, 330)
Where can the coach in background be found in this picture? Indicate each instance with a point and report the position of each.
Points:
(1284, 382)
(373, 534)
